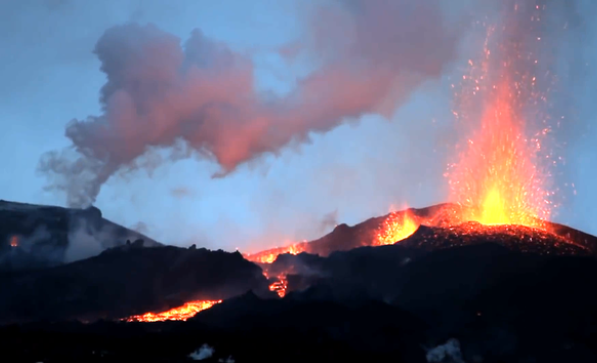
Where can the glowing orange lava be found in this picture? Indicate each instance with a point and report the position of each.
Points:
(14, 241)
(280, 286)
(184, 312)
(270, 255)
(498, 178)
(398, 226)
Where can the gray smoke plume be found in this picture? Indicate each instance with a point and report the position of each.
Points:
(329, 221)
(199, 99)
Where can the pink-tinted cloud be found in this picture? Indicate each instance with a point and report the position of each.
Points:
(372, 55)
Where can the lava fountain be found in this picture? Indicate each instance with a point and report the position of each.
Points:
(499, 177)
(396, 227)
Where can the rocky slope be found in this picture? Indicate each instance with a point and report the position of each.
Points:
(37, 236)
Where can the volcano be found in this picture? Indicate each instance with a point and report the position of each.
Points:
(496, 292)
(38, 236)
(486, 279)
(442, 222)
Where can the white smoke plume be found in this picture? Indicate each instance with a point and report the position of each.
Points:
(84, 243)
(197, 98)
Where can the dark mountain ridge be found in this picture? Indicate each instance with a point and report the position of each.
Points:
(37, 236)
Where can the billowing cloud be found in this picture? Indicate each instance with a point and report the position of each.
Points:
(198, 99)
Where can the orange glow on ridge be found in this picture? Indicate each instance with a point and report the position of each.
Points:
(270, 255)
(184, 312)
(398, 226)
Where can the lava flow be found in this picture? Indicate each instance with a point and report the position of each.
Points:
(269, 256)
(396, 227)
(14, 241)
(184, 312)
(498, 177)
(280, 286)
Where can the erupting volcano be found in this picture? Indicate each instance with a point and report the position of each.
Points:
(496, 178)
(499, 177)
(396, 227)
(500, 181)
(488, 271)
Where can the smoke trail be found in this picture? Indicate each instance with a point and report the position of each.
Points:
(199, 100)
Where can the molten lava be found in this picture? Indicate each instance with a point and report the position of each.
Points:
(396, 227)
(270, 255)
(280, 286)
(498, 177)
(14, 241)
(499, 180)
(184, 312)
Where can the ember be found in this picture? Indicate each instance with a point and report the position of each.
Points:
(280, 286)
(184, 312)
(398, 226)
(497, 177)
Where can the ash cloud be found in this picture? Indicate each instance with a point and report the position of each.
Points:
(329, 221)
(140, 227)
(82, 243)
(89, 236)
(44, 245)
(198, 99)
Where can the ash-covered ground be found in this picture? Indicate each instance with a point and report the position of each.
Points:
(464, 293)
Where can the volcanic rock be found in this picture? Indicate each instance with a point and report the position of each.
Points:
(500, 302)
(502, 305)
(126, 281)
(247, 328)
(514, 237)
(381, 270)
(504, 293)
(446, 219)
(36, 236)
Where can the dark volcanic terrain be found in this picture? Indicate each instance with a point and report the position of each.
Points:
(446, 221)
(489, 294)
(125, 281)
(36, 236)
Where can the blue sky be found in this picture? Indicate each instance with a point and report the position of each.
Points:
(358, 170)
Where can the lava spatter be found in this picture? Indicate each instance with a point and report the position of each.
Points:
(269, 256)
(396, 227)
(500, 176)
